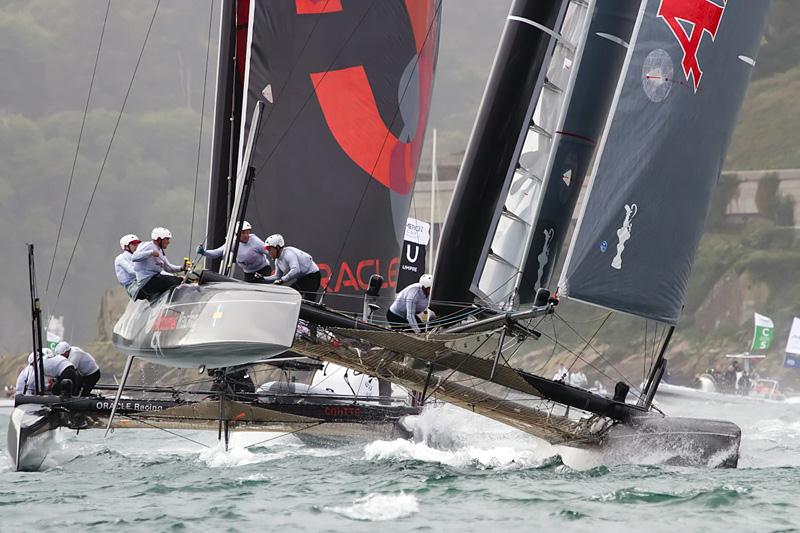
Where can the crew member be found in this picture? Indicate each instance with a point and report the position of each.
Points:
(293, 267)
(26, 383)
(86, 367)
(58, 371)
(409, 302)
(123, 264)
(251, 256)
(149, 261)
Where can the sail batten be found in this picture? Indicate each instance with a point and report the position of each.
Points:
(499, 283)
(660, 156)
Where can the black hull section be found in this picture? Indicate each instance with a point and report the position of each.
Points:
(675, 441)
(29, 431)
(320, 420)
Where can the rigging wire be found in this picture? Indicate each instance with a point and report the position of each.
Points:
(108, 150)
(78, 146)
(200, 137)
(165, 430)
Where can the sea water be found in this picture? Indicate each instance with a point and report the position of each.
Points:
(465, 473)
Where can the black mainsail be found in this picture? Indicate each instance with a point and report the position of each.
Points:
(346, 89)
(662, 153)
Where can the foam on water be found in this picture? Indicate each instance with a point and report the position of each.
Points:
(377, 507)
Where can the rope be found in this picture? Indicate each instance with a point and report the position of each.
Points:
(165, 430)
(200, 137)
(78, 147)
(108, 150)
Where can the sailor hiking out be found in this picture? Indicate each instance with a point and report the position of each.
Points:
(409, 302)
(293, 267)
(86, 368)
(149, 261)
(123, 264)
(59, 374)
(251, 255)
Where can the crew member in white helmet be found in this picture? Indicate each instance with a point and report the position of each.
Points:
(251, 256)
(123, 264)
(85, 366)
(26, 380)
(293, 267)
(149, 261)
(57, 370)
(409, 303)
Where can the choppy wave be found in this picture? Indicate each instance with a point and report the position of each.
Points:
(378, 507)
(497, 457)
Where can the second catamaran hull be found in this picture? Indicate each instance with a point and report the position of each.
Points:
(215, 324)
(675, 441)
(318, 421)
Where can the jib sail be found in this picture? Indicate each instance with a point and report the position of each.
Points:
(662, 152)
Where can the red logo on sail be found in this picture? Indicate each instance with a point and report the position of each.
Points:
(351, 112)
(689, 20)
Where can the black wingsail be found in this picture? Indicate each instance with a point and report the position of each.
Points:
(346, 88)
(662, 154)
(488, 172)
(574, 144)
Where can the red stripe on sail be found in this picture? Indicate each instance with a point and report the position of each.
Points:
(317, 7)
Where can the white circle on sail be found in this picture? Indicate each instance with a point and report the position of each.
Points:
(657, 74)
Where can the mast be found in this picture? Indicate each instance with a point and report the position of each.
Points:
(503, 119)
(36, 326)
(224, 143)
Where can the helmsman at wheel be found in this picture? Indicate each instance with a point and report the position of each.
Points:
(150, 260)
(409, 302)
(251, 255)
(293, 267)
(87, 369)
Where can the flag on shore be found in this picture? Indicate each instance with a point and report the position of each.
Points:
(763, 333)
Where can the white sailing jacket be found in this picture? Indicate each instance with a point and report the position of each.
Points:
(146, 265)
(83, 362)
(251, 255)
(293, 263)
(410, 302)
(123, 267)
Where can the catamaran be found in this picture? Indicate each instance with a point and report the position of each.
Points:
(345, 91)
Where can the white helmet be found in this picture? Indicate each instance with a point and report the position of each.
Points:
(30, 358)
(246, 226)
(127, 239)
(48, 353)
(275, 240)
(62, 348)
(426, 280)
(160, 233)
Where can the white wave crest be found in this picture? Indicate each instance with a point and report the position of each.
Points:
(377, 507)
(495, 457)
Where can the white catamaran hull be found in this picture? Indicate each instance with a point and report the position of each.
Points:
(215, 324)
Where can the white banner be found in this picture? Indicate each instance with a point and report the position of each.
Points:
(417, 231)
(793, 344)
(763, 321)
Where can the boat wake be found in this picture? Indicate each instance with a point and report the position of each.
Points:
(377, 507)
